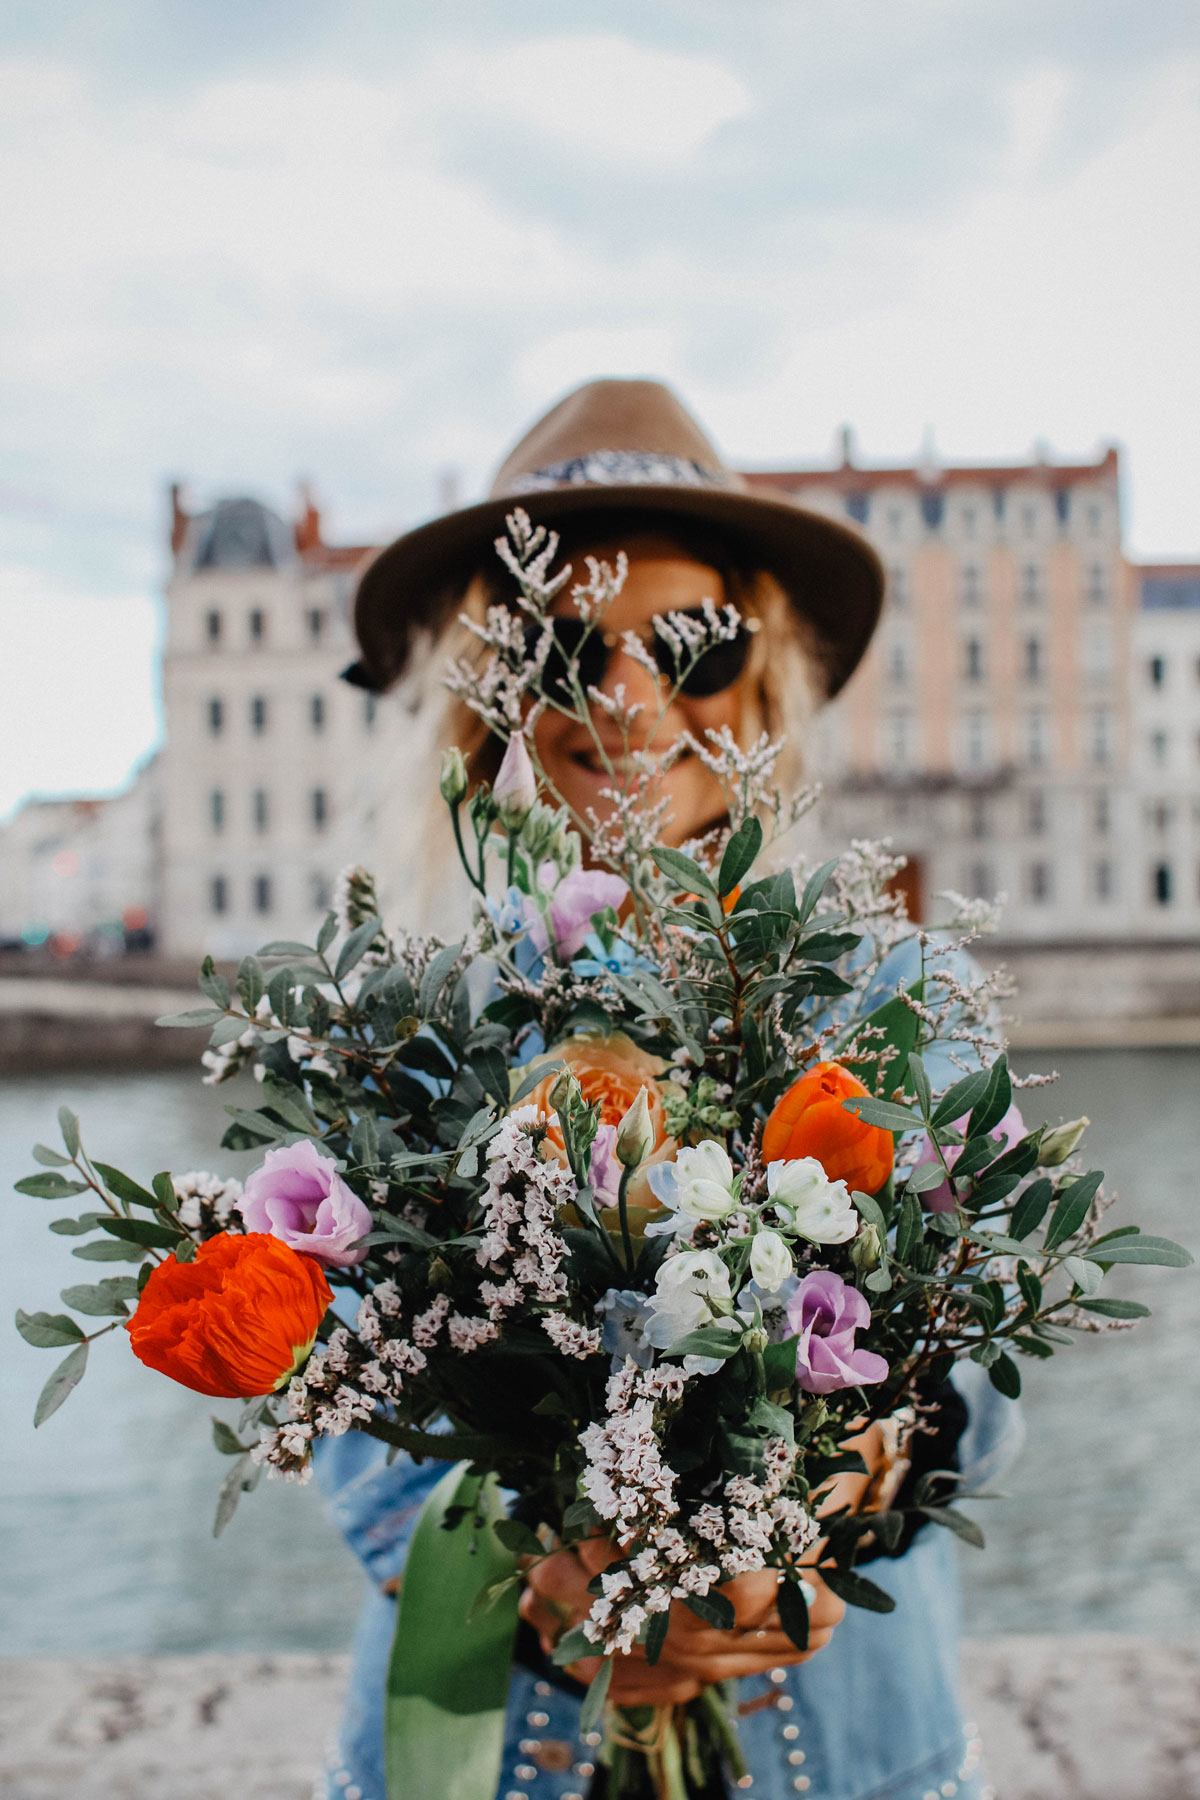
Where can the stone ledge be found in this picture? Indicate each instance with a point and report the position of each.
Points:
(1062, 1718)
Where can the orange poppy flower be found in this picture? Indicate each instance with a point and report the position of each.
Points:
(809, 1120)
(238, 1321)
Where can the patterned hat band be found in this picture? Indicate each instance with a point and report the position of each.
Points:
(621, 468)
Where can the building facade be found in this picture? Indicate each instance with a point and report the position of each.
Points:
(265, 745)
(1165, 757)
(988, 730)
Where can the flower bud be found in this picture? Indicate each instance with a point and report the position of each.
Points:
(770, 1261)
(565, 1093)
(755, 1340)
(867, 1249)
(515, 788)
(453, 780)
(1058, 1144)
(636, 1136)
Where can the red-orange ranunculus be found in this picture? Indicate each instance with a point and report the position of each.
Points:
(809, 1120)
(236, 1322)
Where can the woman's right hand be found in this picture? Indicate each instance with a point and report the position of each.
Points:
(694, 1655)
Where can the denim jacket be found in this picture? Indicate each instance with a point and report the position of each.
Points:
(875, 1716)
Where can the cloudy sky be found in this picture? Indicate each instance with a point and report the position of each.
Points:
(245, 242)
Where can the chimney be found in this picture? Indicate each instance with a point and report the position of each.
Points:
(180, 520)
(308, 525)
(846, 445)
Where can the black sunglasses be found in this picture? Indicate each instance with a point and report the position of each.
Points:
(588, 648)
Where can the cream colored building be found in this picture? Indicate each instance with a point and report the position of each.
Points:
(988, 729)
(1165, 760)
(266, 747)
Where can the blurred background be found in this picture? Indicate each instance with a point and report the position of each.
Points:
(282, 280)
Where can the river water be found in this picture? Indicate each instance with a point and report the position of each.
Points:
(105, 1512)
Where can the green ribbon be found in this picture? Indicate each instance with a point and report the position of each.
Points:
(447, 1690)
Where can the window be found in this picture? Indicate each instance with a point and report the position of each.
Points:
(216, 809)
(1029, 521)
(858, 506)
(1102, 879)
(1031, 584)
(212, 627)
(1037, 813)
(262, 893)
(933, 506)
(1096, 589)
(981, 883)
(1158, 746)
(315, 620)
(370, 708)
(1095, 519)
(898, 583)
(971, 592)
(316, 712)
(1097, 652)
(898, 745)
(1158, 817)
(973, 659)
(1040, 882)
(1031, 659)
(1156, 669)
(895, 521)
(216, 717)
(1037, 738)
(979, 824)
(258, 625)
(1062, 505)
(320, 892)
(1102, 815)
(259, 809)
(1101, 746)
(319, 808)
(897, 661)
(968, 521)
(258, 714)
(999, 500)
(975, 739)
(218, 894)
(1161, 883)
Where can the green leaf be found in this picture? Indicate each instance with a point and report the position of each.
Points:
(997, 1098)
(957, 1522)
(141, 1231)
(106, 1250)
(715, 1608)
(280, 997)
(50, 1159)
(572, 1647)
(740, 853)
(1030, 1209)
(77, 1227)
(231, 1492)
(164, 1191)
(68, 1374)
(924, 1178)
(656, 1636)
(1005, 1376)
(1086, 1275)
(48, 1331)
(957, 1101)
(227, 1441)
(856, 1590)
(289, 1102)
(102, 1299)
(1116, 1309)
(435, 978)
(517, 1537)
(814, 887)
(882, 1112)
(1159, 1251)
(920, 1083)
(871, 1211)
(899, 1025)
(355, 947)
(68, 1124)
(1072, 1208)
(286, 947)
(50, 1186)
(327, 933)
(793, 1612)
(214, 985)
(123, 1187)
(448, 1678)
(708, 1341)
(195, 1015)
(910, 1229)
(779, 1364)
(228, 1028)
(684, 871)
(592, 1710)
(264, 1129)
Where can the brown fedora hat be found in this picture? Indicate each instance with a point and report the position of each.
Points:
(629, 446)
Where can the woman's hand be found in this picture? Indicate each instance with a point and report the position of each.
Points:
(695, 1655)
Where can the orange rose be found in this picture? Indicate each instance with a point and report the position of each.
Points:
(809, 1120)
(238, 1321)
(611, 1071)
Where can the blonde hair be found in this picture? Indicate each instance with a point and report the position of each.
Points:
(781, 682)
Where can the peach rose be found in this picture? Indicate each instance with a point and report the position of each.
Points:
(612, 1071)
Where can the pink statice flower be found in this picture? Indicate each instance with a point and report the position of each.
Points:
(297, 1195)
(825, 1312)
(940, 1199)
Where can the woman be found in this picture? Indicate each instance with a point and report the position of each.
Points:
(871, 1712)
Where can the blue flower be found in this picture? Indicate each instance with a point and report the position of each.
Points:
(625, 1314)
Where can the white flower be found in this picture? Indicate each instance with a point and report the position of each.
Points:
(698, 1185)
(691, 1290)
(635, 1133)
(770, 1261)
(809, 1203)
(515, 788)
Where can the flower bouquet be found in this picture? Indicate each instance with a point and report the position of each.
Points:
(642, 1207)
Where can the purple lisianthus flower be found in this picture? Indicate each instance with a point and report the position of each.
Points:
(298, 1195)
(940, 1199)
(574, 902)
(604, 1169)
(826, 1313)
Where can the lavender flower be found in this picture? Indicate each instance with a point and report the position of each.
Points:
(297, 1195)
(826, 1313)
